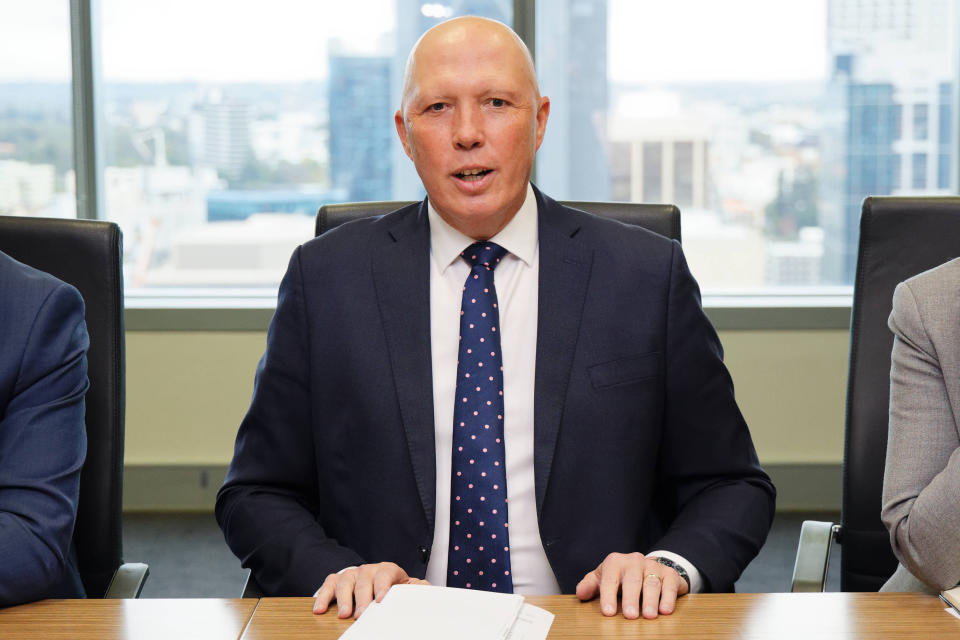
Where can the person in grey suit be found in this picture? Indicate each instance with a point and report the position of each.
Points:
(921, 482)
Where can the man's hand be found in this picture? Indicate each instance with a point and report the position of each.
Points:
(361, 585)
(633, 574)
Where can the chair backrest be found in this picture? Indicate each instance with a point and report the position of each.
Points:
(899, 238)
(659, 218)
(87, 254)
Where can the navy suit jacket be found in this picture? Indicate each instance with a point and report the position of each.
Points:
(639, 444)
(43, 381)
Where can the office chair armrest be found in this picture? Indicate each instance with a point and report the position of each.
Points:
(813, 556)
(251, 589)
(128, 580)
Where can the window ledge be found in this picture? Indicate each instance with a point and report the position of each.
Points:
(780, 312)
(252, 311)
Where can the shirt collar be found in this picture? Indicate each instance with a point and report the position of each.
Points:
(519, 237)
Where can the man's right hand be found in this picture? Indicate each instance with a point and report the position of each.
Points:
(355, 588)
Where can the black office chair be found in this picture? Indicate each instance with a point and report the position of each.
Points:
(659, 218)
(899, 238)
(88, 255)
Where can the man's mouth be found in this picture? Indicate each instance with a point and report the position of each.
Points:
(472, 175)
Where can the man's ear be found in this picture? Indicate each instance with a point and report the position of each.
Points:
(402, 132)
(543, 112)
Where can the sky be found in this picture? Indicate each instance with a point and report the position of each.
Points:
(717, 40)
(650, 41)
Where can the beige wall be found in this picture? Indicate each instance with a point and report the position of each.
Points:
(186, 394)
(187, 391)
(791, 387)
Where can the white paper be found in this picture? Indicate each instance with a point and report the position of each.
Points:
(533, 623)
(418, 612)
(952, 598)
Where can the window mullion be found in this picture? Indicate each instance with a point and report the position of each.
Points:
(525, 24)
(87, 156)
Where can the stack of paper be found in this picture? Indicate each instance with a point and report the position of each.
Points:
(952, 598)
(417, 612)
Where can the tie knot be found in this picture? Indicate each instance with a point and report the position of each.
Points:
(487, 254)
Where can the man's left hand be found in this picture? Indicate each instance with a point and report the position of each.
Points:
(634, 575)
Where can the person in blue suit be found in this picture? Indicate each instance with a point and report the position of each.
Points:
(43, 381)
(630, 474)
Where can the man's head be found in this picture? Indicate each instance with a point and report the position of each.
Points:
(471, 119)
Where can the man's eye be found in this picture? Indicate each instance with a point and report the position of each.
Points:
(437, 106)
(497, 102)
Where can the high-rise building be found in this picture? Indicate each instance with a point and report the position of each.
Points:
(659, 160)
(25, 188)
(225, 135)
(892, 96)
(573, 162)
(361, 126)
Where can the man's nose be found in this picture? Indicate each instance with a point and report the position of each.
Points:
(468, 129)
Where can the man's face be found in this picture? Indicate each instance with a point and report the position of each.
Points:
(471, 122)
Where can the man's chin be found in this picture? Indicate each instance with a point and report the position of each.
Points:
(475, 218)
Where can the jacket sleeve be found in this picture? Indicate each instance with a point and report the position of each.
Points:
(42, 449)
(719, 502)
(922, 475)
(268, 505)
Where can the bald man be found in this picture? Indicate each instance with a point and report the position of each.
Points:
(600, 452)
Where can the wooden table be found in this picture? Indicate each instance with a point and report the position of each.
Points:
(127, 619)
(844, 616)
(742, 616)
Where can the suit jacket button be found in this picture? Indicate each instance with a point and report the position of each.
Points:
(424, 554)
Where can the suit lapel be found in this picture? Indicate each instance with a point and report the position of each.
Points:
(401, 274)
(564, 274)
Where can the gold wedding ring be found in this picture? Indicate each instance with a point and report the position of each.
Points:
(653, 575)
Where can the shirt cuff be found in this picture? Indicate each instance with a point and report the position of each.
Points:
(696, 580)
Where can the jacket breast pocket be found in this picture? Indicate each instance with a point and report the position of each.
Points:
(626, 370)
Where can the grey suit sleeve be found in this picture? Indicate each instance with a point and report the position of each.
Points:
(921, 508)
(42, 448)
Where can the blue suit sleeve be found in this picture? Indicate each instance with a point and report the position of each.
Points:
(722, 500)
(42, 449)
(268, 506)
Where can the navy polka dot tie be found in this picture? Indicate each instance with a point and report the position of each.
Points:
(479, 554)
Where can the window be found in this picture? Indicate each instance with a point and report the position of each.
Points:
(683, 174)
(920, 121)
(225, 126)
(768, 138)
(920, 171)
(652, 172)
(944, 135)
(36, 140)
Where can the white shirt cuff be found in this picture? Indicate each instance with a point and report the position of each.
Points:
(696, 580)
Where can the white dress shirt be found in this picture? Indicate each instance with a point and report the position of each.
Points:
(516, 279)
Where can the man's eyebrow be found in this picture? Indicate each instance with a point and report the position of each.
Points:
(423, 99)
(502, 91)
(426, 99)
